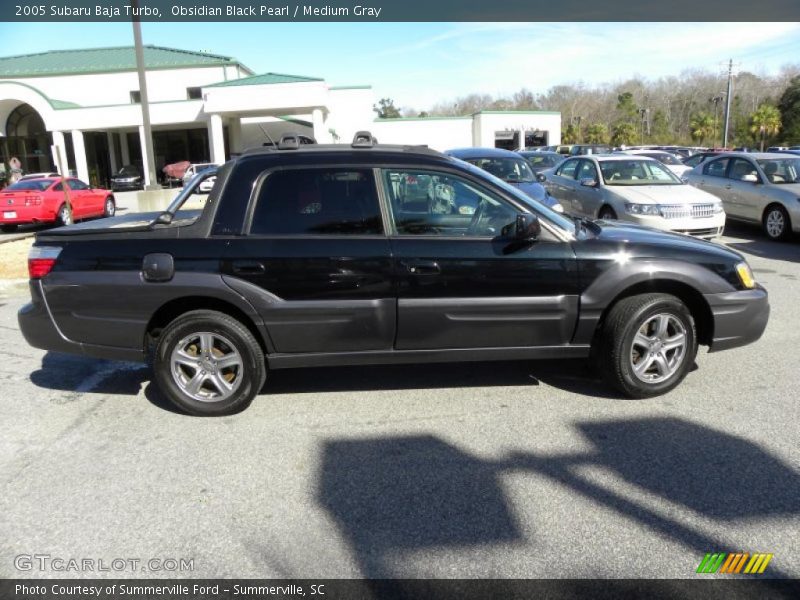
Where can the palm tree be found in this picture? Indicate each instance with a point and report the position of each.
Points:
(596, 133)
(701, 127)
(765, 122)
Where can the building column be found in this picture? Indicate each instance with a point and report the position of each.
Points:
(123, 148)
(59, 150)
(112, 153)
(318, 121)
(521, 139)
(235, 135)
(216, 139)
(143, 145)
(81, 166)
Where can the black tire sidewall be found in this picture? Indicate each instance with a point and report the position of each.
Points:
(631, 384)
(253, 373)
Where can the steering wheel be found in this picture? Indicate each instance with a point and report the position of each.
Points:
(477, 216)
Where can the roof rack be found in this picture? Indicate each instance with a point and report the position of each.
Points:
(289, 141)
(363, 139)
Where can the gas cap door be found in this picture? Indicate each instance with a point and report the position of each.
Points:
(158, 267)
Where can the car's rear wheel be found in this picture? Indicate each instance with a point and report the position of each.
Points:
(777, 224)
(9, 227)
(64, 216)
(607, 214)
(208, 363)
(647, 345)
(109, 207)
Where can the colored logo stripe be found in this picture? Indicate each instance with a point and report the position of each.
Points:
(723, 562)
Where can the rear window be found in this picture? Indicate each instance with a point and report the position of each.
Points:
(318, 202)
(30, 185)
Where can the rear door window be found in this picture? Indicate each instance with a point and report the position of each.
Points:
(716, 168)
(325, 201)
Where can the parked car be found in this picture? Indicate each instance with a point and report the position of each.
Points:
(313, 256)
(128, 178)
(636, 189)
(510, 167)
(669, 160)
(207, 184)
(43, 201)
(701, 157)
(38, 176)
(584, 149)
(541, 160)
(755, 187)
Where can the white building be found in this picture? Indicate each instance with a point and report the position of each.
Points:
(80, 108)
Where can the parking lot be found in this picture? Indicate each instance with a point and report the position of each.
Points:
(467, 470)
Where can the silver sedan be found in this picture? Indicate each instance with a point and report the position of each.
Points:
(759, 188)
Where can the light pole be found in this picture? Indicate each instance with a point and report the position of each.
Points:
(643, 113)
(716, 100)
(147, 151)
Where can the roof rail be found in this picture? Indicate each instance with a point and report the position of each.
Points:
(363, 139)
(289, 141)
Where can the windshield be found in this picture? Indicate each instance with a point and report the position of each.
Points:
(540, 209)
(781, 170)
(129, 170)
(508, 169)
(637, 172)
(30, 185)
(664, 157)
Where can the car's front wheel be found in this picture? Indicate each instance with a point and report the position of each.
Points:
(607, 214)
(648, 344)
(209, 364)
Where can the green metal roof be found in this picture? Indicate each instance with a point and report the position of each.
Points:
(105, 60)
(265, 79)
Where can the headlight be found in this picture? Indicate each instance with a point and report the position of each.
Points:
(717, 208)
(653, 210)
(745, 275)
(558, 208)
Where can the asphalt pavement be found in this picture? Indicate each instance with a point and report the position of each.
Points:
(516, 469)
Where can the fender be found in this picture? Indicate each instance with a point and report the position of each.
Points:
(619, 277)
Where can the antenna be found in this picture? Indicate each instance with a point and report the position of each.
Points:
(264, 131)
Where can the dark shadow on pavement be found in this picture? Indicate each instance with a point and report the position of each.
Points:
(755, 243)
(573, 375)
(70, 372)
(392, 495)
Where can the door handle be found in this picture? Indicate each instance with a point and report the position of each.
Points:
(423, 267)
(248, 267)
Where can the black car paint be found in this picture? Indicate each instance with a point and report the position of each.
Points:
(369, 299)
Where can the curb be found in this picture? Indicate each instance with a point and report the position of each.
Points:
(15, 237)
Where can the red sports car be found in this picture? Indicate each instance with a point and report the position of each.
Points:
(44, 201)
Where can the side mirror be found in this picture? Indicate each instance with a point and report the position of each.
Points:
(588, 182)
(540, 177)
(525, 229)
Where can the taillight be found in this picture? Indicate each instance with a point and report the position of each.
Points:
(33, 200)
(41, 260)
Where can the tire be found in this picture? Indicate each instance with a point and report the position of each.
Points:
(109, 207)
(621, 349)
(776, 223)
(176, 368)
(607, 214)
(64, 215)
(9, 228)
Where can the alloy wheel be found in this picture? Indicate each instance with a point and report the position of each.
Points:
(659, 348)
(206, 366)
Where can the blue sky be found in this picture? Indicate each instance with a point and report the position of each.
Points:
(418, 64)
